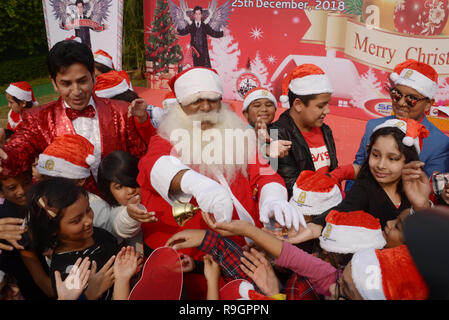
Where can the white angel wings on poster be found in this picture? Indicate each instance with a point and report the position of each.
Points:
(214, 17)
(97, 23)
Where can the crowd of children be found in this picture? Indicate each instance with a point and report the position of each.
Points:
(85, 200)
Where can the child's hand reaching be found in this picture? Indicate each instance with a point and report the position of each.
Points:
(189, 238)
(100, 281)
(258, 268)
(212, 272)
(125, 265)
(76, 281)
(138, 212)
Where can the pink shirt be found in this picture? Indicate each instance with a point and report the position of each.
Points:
(320, 273)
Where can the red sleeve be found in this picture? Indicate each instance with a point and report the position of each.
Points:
(343, 173)
(23, 146)
(261, 173)
(146, 129)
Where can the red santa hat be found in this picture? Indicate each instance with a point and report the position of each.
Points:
(103, 57)
(304, 80)
(257, 93)
(112, 83)
(315, 192)
(22, 91)
(240, 290)
(387, 274)
(417, 75)
(414, 131)
(169, 100)
(349, 232)
(60, 160)
(196, 83)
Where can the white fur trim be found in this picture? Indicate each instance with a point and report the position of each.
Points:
(19, 93)
(416, 80)
(311, 203)
(195, 81)
(284, 101)
(394, 77)
(163, 172)
(402, 125)
(57, 167)
(90, 159)
(350, 239)
(313, 84)
(258, 94)
(244, 288)
(113, 91)
(367, 275)
(104, 60)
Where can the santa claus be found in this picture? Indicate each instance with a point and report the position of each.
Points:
(204, 154)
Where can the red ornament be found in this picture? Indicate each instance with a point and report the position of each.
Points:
(421, 17)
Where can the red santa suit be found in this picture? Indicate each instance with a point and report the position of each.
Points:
(156, 171)
(114, 131)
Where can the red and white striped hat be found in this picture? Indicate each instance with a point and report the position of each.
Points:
(414, 131)
(417, 75)
(60, 160)
(103, 57)
(196, 83)
(315, 192)
(112, 83)
(257, 93)
(22, 91)
(387, 274)
(304, 80)
(349, 232)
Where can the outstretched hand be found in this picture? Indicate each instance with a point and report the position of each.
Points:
(189, 238)
(416, 185)
(75, 282)
(138, 108)
(11, 230)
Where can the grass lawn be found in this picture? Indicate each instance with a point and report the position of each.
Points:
(44, 93)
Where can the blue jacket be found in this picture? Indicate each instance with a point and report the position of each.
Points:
(434, 153)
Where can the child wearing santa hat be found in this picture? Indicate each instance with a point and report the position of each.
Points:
(116, 85)
(379, 188)
(103, 62)
(372, 274)
(306, 92)
(20, 96)
(59, 160)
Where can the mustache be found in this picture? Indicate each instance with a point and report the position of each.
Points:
(211, 116)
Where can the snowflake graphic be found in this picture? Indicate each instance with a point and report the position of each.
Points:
(256, 33)
(400, 5)
(271, 59)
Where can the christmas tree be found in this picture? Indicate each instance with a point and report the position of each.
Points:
(353, 7)
(260, 70)
(224, 57)
(369, 88)
(162, 44)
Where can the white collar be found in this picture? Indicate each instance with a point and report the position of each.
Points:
(91, 102)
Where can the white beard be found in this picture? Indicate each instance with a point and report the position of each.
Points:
(214, 150)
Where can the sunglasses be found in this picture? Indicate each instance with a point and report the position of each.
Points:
(411, 101)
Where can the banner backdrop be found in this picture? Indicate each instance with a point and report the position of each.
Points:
(98, 23)
(256, 42)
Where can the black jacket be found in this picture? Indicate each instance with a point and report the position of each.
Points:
(299, 157)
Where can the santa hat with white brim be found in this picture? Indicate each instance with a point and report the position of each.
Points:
(196, 83)
(315, 192)
(103, 57)
(304, 80)
(414, 131)
(257, 93)
(112, 83)
(387, 274)
(349, 232)
(22, 91)
(60, 160)
(416, 75)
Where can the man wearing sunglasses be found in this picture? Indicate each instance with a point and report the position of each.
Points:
(412, 93)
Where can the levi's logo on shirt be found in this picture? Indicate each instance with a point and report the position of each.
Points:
(320, 157)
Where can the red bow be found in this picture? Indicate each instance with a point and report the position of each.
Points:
(88, 112)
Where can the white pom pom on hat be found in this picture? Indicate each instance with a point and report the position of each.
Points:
(414, 131)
